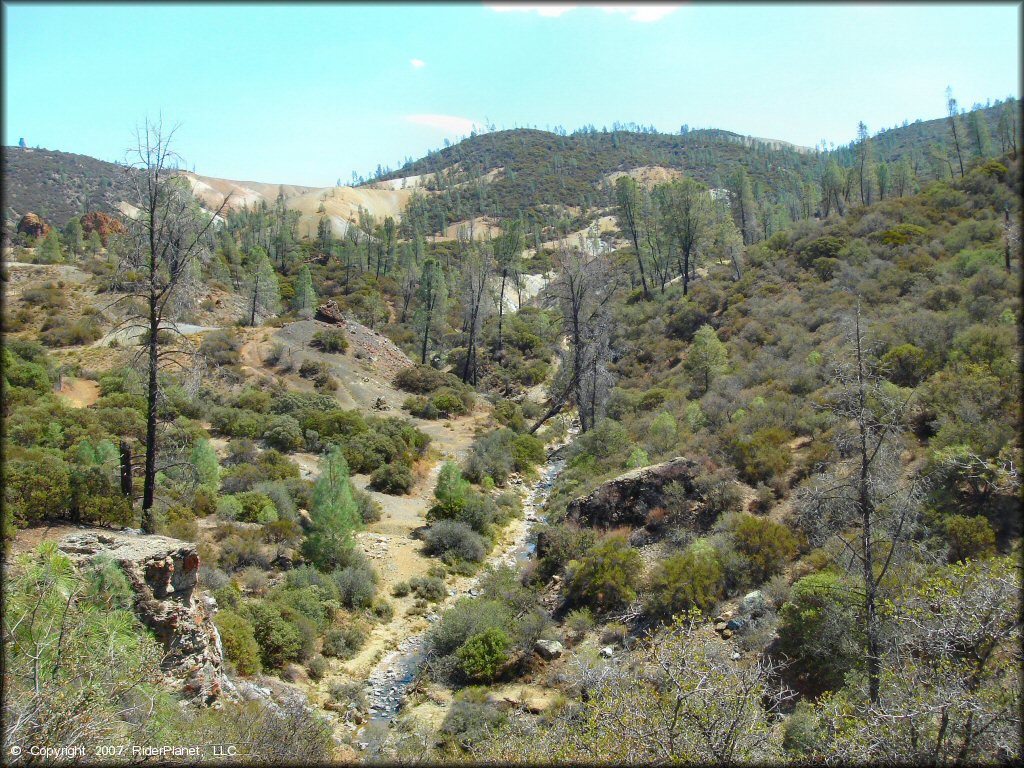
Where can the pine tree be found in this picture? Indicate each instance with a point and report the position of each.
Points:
(981, 138)
(261, 287)
(204, 459)
(707, 357)
(95, 243)
(432, 299)
(74, 237)
(305, 299)
(334, 513)
(49, 249)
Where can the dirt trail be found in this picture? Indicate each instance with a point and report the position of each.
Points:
(365, 373)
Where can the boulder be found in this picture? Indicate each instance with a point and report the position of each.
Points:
(163, 573)
(102, 224)
(330, 313)
(548, 649)
(753, 604)
(32, 225)
(626, 499)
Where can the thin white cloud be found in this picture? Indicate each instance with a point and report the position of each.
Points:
(549, 10)
(449, 124)
(418, 63)
(641, 13)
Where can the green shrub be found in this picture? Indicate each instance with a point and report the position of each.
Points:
(37, 486)
(252, 399)
(447, 403)
(527, 452)
(394, 478)
(969, 262)
(906, 365)
(607, 576)
(255, 508)
(763, 455)
(818, 628)
(283, 433)
(969, 537)
(357, 585)
(558, 545)
(429, 588)
(510, 414)
(453, 540)
(239, 641)
(331, 340)
(765, 544)
(466, 618)
(179, 522)
(692, 579)
(420, 407)
(483, 655)
(279, 641)
(422, 379)
(580, 620)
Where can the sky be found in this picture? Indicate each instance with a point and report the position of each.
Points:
(309, 94)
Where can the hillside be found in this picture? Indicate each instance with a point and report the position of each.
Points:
(59, 185)
(535, 498)
(531, 169)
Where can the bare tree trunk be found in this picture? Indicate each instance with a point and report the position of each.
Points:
(255, 293)
(501, 315)
(867, 513)
(126, 469)
(1006, 225)
(149, 486)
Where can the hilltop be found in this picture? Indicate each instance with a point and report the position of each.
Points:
(59, 185)
(541, 175)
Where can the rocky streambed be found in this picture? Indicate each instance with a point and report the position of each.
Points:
(391, 678)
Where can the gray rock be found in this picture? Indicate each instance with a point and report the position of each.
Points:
(548, 649)
(753, 604)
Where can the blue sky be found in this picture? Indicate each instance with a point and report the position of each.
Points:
(306, 94)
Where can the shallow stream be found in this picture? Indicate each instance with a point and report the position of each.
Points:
(394, 674)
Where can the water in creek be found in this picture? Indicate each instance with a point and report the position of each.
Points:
(393, 675)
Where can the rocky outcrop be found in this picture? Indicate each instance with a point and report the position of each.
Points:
(33, 226)
(104, 225)
(330, 313)
(626, 500)
(163, 573)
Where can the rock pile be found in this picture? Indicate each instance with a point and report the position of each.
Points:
(163, 573)
(375, 545)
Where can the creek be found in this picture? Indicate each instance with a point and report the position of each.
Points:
(391, 678)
